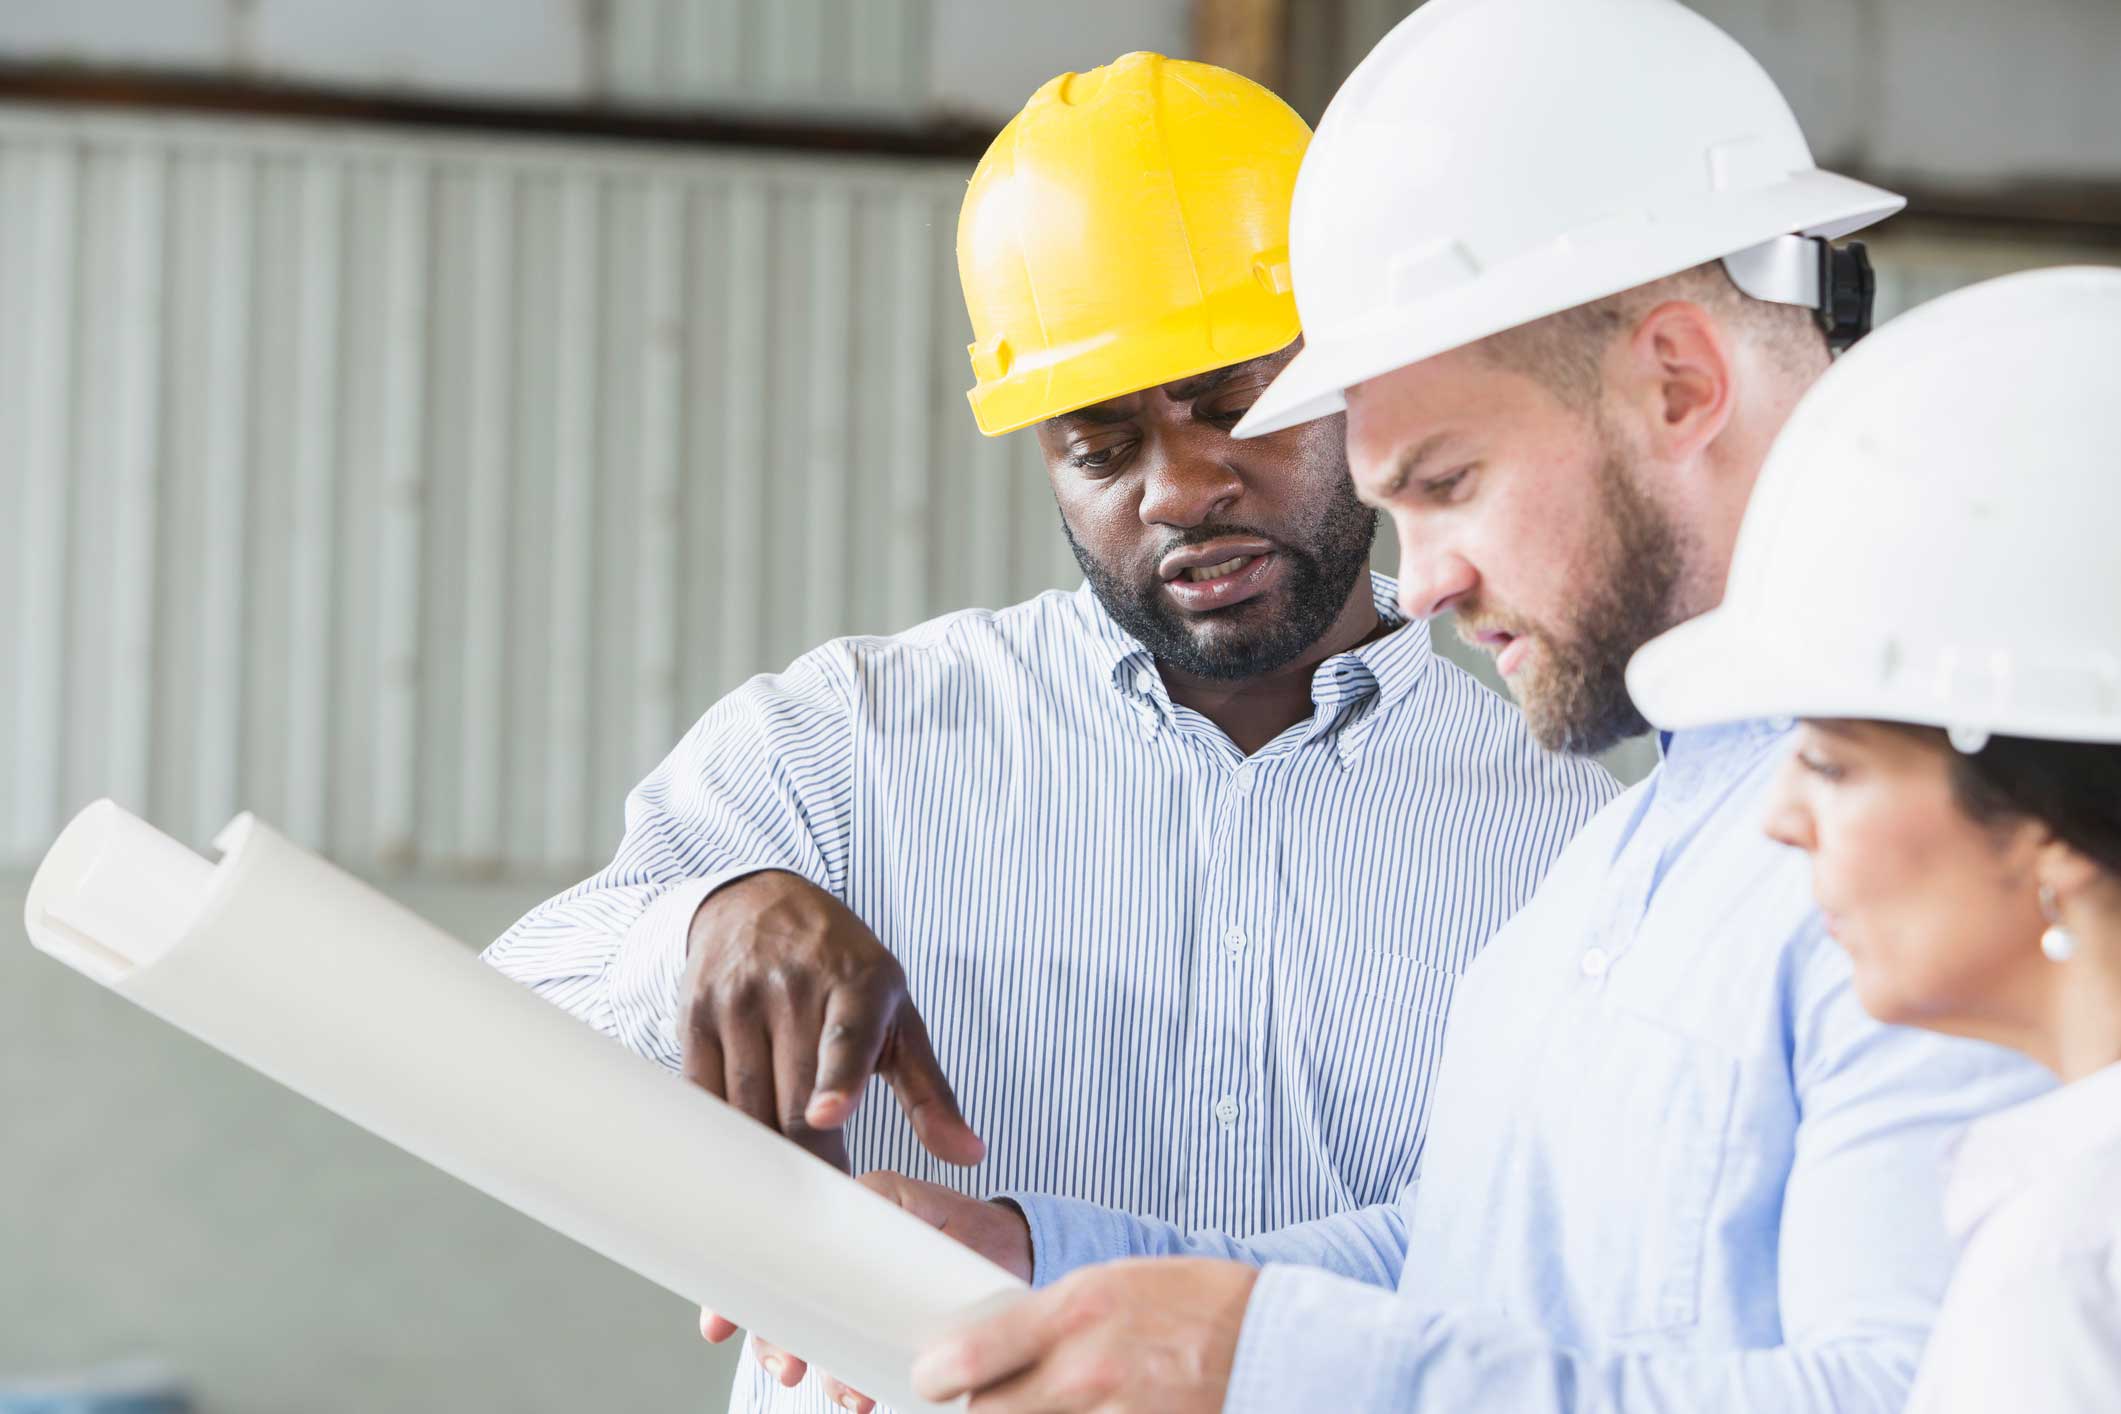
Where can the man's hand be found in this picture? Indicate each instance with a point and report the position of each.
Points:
(1147, 1335)
(994, 1229)
(997, 1231)
(792, 1004)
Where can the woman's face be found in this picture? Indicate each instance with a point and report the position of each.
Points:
(1939, 913)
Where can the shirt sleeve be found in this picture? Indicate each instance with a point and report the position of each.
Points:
(1367, 1245)
(1862, 1261)
(763, 781)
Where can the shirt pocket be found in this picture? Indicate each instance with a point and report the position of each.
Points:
(1638, 1115)
(1359, 1059)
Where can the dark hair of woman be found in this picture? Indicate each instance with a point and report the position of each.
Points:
(2074, 787)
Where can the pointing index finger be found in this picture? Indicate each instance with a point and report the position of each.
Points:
(925, 1094)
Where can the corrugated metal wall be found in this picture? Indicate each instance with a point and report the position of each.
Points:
(818, 55)
(849, 58)
(1929, 92)
(1326, 40)
(418, 492)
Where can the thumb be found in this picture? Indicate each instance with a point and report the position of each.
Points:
(926, 1201)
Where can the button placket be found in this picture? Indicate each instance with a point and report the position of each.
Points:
(1619, 924)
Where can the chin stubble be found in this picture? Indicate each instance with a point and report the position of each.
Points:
(1321, 574)
(1577, 700)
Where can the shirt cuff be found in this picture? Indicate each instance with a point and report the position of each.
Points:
(1067, 1233)
(1309, 1334)
(649, 970)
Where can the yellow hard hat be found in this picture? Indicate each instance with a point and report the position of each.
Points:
(1128, 228)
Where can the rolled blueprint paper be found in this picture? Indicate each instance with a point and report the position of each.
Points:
(308, 975)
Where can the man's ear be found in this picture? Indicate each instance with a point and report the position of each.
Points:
(1675, 373)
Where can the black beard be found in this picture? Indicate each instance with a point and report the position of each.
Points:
(1274, 629)
(1582, 706)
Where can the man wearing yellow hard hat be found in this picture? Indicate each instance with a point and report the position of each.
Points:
(1107, 857)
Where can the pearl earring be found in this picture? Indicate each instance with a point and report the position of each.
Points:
(2058, 942)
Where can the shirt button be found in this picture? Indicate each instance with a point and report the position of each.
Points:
(1145, 683)
(1242, 781)
(1595, 962)
(1226, 1110)
(1234, 940)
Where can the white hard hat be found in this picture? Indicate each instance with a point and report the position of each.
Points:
(1936, 536)
(1496, 161)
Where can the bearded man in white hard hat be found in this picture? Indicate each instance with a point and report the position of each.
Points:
(1566, 264)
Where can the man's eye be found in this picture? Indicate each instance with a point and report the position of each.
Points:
(1441, 488)
(1094, 458)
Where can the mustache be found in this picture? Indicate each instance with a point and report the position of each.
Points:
(1202, 534)
(1472, 620)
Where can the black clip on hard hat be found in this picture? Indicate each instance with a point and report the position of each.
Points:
(1847, 289)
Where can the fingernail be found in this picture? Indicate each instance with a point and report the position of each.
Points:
(851, 1401)
(779, 1367)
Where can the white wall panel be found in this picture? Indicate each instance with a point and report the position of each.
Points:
(418, 493)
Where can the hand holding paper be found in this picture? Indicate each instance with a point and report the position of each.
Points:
(306, 974)
(997, 1231)
(1146, 1336)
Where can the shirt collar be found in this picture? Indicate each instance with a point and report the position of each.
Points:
(1115, 650)
(1714, 757)
(2006, 1153)
(1387, 668)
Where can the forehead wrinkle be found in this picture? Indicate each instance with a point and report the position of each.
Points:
(1179, 390)
(1186, 390)
(1102, 414)
(1201, 384)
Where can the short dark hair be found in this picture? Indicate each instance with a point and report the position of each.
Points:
(2072, 787)
(1565, 352)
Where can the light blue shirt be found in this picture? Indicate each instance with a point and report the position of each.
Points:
(1672, 1165)
(1161, 974)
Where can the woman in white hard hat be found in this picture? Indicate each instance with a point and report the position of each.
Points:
(1928, 575)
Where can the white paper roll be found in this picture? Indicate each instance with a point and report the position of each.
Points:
(308, 975)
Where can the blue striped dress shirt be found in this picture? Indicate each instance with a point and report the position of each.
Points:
(1162, 976)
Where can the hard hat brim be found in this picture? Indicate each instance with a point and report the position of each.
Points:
(1561, 275)
(1722, 667)
(1705, 672)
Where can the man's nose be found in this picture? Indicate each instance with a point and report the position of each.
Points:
(1185, 491)
(1431, 577)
